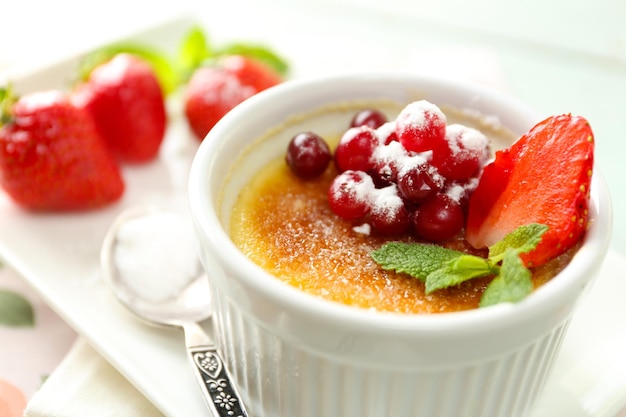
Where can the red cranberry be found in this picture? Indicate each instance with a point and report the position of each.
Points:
(466, 152)
(355, 149)
(420, 181)
(461, 191)
(369, 117)
(349, 194)
(385, 162)
(308, 155)
(388, 215)
(421, 126)
(387, 133)
(439, 218)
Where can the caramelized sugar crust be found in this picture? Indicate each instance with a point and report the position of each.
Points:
(284, 224)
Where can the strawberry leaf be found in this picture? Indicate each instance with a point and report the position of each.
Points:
(193, 51)
(166, 73)
(7, 99)
(513, 283)
(15, 310)
(416, 260)
(260, 53)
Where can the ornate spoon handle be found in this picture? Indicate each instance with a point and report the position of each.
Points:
(220, 392)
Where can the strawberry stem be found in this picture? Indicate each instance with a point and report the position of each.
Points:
(7, 99)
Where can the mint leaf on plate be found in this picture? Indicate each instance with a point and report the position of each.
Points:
(15, 310)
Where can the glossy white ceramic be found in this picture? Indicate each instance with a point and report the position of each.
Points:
(297, 355)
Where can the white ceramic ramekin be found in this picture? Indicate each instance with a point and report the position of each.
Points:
(293, 354)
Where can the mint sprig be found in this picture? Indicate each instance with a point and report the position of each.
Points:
(440, 268)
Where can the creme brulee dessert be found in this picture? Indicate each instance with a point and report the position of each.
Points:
(292, 220)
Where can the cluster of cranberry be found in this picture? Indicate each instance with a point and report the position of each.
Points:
(415, 171)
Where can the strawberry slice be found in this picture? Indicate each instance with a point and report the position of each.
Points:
(542, 178)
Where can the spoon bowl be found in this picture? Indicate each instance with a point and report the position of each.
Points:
(175, 302)
(190, 303)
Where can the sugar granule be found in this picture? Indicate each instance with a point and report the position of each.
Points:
(156, 256)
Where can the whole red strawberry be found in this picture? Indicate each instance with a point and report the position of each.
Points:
(52, 157)
(544, 178)
(250, 71)
(125, 99)
(214, 91)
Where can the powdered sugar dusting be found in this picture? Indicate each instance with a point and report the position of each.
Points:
(419, 112)
(455, 192)
(459, 192)
(350, 134)
(461, 137)
(386, 201)
(300, 143)
(431, 166)
(413, 161)
(364, 229)
(385, 131)
(360, 186)
(394, 151)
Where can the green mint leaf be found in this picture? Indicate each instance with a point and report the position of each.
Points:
(163, 67)
(513, 283)
(523, 239)
(458, 270)
(259, 52)
(417, 260)
(193, 51)
(15, 310)
(441, 268)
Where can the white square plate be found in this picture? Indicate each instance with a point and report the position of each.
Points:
(58, 254)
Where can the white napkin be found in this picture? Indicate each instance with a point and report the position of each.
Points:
(85, 384)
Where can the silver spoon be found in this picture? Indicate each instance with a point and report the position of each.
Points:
(185, 308)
